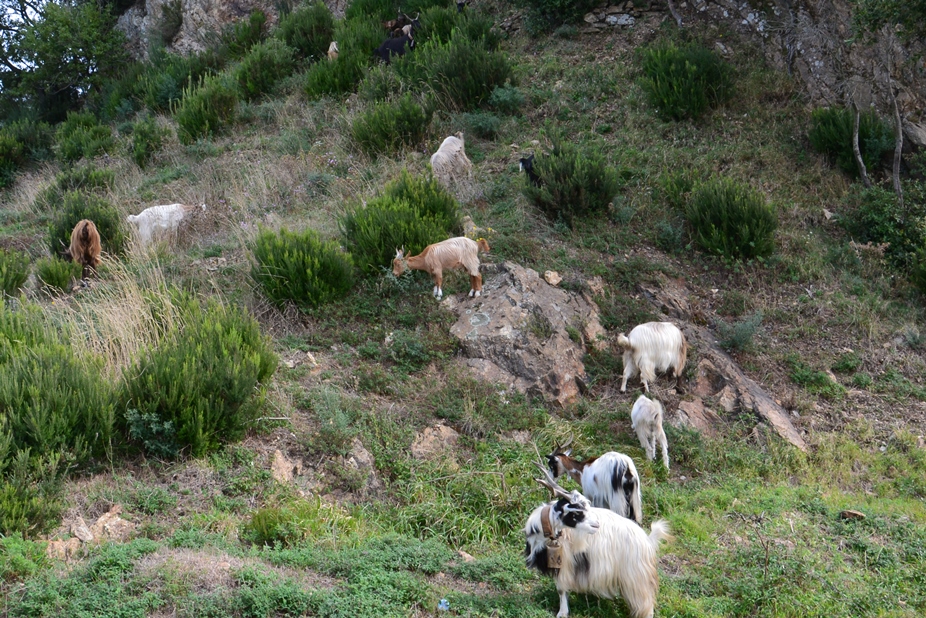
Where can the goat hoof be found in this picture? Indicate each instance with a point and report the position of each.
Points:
(478, 293)
(471, 293)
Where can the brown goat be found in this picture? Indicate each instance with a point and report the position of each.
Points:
(85, 246)
(460, 252)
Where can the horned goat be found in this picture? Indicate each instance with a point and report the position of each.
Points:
(646, 419)
(652, 347)
(594, 551)
(452, 167)
(459, 252)
(85, 246)
(609, 481)
(160, 220)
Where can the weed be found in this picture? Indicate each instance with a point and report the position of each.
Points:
(14, 270)
(847, 363)
(738, 336)
(389, 125)
(814, 381)
(152, 500)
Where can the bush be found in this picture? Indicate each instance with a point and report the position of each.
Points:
(238, 38)
(575, 183)
(482, 124)
(30, 493)
(544, 15)
(357, 40)
(370, 10)
(204, 377)
(147, 138)
(11, 159)
(738, 336)
(874, 216)
(683, 82)
(81, 137)
(918, 271)
(76, 206)
(390, 125)
(157, 437)
(265, 65)
(308, 30)
(168, 75)
(506, 99)
(57, 275)
(429, 196)
(14, 270)
(732, 220)
(300, 267)
(36, 138)
(205, 110)
(380, 83)
(831, 134)
(84, 178)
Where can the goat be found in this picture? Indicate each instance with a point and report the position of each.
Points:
(651, 347)
(591, 550)
(610, 481)
(451, 166)
(527, 166)
(333, 51)
(646, 419)
(157, 220)
(394, 47)
(459, 252)
(85, 247)
(461, 4)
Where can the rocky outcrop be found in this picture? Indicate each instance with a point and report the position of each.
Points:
(108, 527)
(526, 333)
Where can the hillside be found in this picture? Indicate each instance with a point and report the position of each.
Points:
(371, 473)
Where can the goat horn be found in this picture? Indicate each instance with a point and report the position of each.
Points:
(415, 18)
(551, 484)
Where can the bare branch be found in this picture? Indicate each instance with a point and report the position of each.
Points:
(855, 149)
(674, 12)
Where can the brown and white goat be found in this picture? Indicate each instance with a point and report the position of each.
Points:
(652, 347)
(459, 252)
(609, 481)
(85, 246)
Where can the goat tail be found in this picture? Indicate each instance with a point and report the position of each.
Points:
(623, 342)
(659, 531)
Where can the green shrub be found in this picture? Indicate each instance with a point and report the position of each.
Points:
(575, 183)
(848, 362)
(429, 196)
(507, 99)
(167, 75)
(390, 125)
(831, 134)
(272, 526)
(265, 65)
(375, 10)
(238, 38)
(357, 40)
(205, 376)
(462, 73)
(670, 235)
(335, 422)
(14, 270)
(676, 187)
(732, 220)
(205, 109)
(37, 138)
(482, 124)
(57, 275)
(30, 493)
(81, 137)
(308, 30)
(157, 437)
(380, 83)
(918, 271)
(817, 382)
(300, 267)
(874, 216)
(76, 206)
(11, 158)
(738, 336)
(147, 138)
(545, 15)
(21, 558)
(84, 178)
(683, 82)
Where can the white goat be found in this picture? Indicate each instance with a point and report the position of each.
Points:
(452, 167)
(459, 252)
(160, 220)
(610, 481)
(651, 347)
(646, 419)
(333, 51)
(599, 552)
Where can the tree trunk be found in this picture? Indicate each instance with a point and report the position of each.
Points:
(855, 149)
(674, 12)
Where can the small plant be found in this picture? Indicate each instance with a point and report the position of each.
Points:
(147, 138)
(429, 196)
(390, 125)
(482, 124)
(265, 65)
(335, 419)
(238, 38)
(271, 526)
(159, 438)
(738, 336)
(874, 216)
(84, 178)
(506, 99)
(380, 83)
(847, 363)
(814, 381)
(732, 220)
(308, 30)
(676, 187)
(80, 136)
(733, 303)
(831, 134)
(76, 206)
(575, 183)
(20, 558)
(152, 500)
(300, 267)
(670, 236)
(408, 351)
(57, 275)
(205, 109)
(545, 15)
(14, 270)
(684, 82)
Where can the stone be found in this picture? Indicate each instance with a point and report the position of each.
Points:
(590, 18)
(466, 557)
(850, 514)
(282, 469)
(727, 399)
(596, 285)
(552, 277)
(360, 458)
(612, 20)
(111, 527)
(916, 133)
(516, 332)
(625, 21)
(63, 550)
(80, 529)
(694, 415)
(433, 442)
(708, 380)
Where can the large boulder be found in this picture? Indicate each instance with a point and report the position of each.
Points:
(526, 333)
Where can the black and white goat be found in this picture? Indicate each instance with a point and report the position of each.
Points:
(609, 481)
(527, 166)
(396, 45)
(594, 551)
(646, 419)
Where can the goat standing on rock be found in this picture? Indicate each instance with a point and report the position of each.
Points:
(460, 252)
(652, 347)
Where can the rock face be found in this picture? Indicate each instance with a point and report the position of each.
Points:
(518, 333)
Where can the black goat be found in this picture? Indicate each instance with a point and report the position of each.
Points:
(394, 47)
(461, 4)
(527, 165)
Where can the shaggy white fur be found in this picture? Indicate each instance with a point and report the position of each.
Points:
(452, 167)
(652, 347)
(610, 481)
(646, 419)
(160, 220)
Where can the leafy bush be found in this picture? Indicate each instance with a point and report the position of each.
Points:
(76, 206)
(163, 84)
(308, 30)
(11, 159)
(21, 558)
(683, 82)
(390, 125)
(30, 493)
(379, 10)
(676, 187)
(817, 382)
(204, 376)
(265, 65)
(36, 138)
(57, 275)
(506, 99)
(205, 110)
(732, 220)
(670, 235)
(874, 216)
(14, 270)
(84, 178)
(147, 138)
(574, 183)
(429, 196)
(81, 137)
(918, 271)
(738, 336)
(544, 15)
(380, 83)
(482, 124)
(831, 134)
(301, 267)
(159, 438)
(357, 40)
(335, 422)
(238, 38)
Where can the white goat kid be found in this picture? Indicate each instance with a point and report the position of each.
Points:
(652, 347)
(646, 419)
(595, 551)
(160, 220)
(459, 252)
(452, 167)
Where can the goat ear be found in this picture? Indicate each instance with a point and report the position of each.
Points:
(568, 453)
